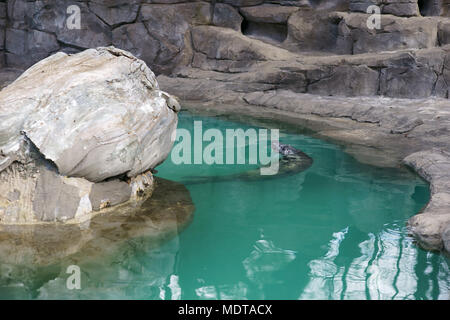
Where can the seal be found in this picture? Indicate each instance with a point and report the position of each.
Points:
(292, 161)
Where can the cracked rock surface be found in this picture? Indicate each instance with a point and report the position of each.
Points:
(71, 122)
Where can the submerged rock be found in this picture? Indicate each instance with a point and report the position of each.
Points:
(73, 121)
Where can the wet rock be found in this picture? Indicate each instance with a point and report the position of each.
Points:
(36, 258)
(108, 119)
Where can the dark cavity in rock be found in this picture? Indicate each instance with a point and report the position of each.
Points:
(271, 32)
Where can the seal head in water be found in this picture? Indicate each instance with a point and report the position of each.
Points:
(293, 160)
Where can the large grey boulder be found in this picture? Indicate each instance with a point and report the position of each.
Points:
(72, 121)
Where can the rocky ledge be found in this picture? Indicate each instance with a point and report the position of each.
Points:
(80, 133)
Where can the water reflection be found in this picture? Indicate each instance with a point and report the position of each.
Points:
(33, 259)
(264, 260)
(387, 268)
(223, 292)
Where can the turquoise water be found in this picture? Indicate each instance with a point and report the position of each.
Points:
(334, 231)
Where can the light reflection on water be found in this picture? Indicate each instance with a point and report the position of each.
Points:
(335, 231)
(385, 270)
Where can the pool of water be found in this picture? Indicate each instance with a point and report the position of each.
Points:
(333, 231)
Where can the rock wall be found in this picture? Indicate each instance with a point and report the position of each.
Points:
(168, 35)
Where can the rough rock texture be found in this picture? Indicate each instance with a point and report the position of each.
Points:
(444, 33)
(401, 8)
(433, 225)
(406, 74)
(72, 121)
(268, 13)
(161, 32)
(345, 33)
(226, 16)
(283, 55)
